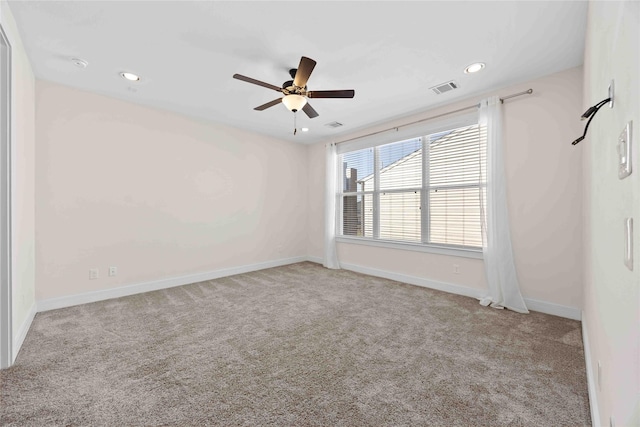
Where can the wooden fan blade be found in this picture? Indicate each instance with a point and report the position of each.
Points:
(309, 111)
(304, 71)
(331, 93)
(256, 82)
(268, 104)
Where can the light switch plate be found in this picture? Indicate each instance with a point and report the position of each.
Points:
(628, 243)
(624, 152)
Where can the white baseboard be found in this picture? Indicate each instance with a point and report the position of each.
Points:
(418, 281)
(591, 381)
(71, 300)
(105, 294)
(554, 309)
(535, 305)
(18, 340)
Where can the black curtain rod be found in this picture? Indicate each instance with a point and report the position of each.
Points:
(502, 99)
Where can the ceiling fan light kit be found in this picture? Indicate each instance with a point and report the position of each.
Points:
(295, 91)
(294, 102)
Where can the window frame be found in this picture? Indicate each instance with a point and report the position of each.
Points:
(402, 134)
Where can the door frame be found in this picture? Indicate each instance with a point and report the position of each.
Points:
(6, 302)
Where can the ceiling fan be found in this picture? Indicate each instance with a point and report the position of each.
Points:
(295, 91)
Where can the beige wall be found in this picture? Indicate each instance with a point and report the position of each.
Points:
(23, 250)
(315, 199)
(612, 298)
(156, 194)
(544, 191)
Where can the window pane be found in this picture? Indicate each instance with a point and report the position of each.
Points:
(367, 213)
(356, 166)
(454, 217)
(357, 215)
(400, 216)
(351, 218)
(455, 156)
(401, 164)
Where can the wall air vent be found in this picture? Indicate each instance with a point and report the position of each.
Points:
(334, 124)
(444, 87)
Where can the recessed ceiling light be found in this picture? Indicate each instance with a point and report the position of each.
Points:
(81, 63)
(305, 129)
(474, 68)
(130, 76)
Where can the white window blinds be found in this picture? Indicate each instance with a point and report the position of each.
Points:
(423, 190)
(455, 160)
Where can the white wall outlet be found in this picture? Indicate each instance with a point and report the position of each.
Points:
(456, 269)
(94, 273)
(113, 271)
(624, 152)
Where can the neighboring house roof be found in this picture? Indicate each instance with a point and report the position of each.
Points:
(444, 138)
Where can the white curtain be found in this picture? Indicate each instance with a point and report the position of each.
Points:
(499, 264)
(330, 252)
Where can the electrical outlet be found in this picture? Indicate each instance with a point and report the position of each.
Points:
(94, 273)
(456, 269)
(113, 271)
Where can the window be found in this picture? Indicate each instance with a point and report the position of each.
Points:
(426, 190)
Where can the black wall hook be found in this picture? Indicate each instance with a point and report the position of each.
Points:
(590, 114)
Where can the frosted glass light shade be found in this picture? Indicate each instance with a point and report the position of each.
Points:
(294, 102)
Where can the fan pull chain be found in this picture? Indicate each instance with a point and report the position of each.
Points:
(295, 123)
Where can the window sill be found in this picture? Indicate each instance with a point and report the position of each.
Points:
(441, 250)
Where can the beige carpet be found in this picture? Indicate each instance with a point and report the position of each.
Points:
(298, 345)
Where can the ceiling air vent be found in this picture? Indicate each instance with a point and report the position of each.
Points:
(334, 124)
(444, 87)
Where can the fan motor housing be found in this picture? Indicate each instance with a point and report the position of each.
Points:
(292, 89)
(288, 84)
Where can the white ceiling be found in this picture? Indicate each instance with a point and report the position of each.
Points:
(391, 53)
